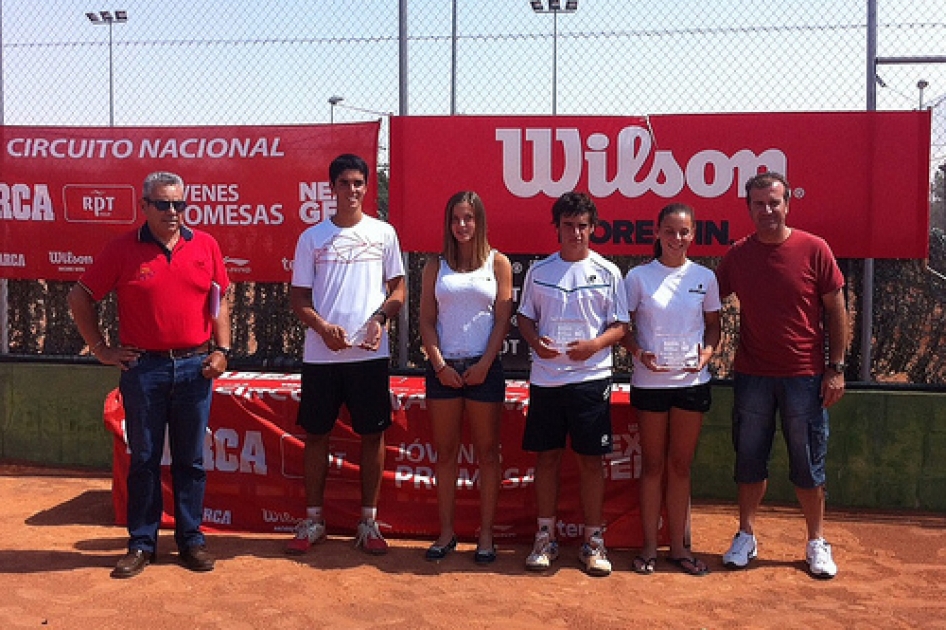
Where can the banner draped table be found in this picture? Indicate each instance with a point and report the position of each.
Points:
(253, 454)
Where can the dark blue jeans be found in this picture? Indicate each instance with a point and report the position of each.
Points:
(165, 395)
(797, 399)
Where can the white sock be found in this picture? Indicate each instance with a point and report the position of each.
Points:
(548, 525)
(314, 513)
(593, 531)
(369, 513)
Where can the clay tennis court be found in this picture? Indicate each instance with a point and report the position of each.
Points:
(58, 544)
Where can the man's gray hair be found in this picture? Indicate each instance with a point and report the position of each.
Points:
(159, 179)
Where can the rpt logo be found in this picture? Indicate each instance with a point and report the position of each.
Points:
(99, 204)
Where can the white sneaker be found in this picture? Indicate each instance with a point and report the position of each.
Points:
(595, 557)
(544, 552)
(820, 563)
(741, 551)
(308, 533)
(369, 538)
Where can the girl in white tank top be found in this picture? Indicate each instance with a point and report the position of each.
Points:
(466, 306)
(465, 309)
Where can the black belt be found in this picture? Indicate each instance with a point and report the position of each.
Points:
(180, 353)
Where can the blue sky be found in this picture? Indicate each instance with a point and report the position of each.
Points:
(240, 62)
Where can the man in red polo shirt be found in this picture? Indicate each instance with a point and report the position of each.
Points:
(174, 338)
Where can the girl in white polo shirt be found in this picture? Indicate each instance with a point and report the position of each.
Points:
(674, 306)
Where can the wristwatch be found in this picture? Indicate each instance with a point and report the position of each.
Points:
(838, 367)
(224, 350)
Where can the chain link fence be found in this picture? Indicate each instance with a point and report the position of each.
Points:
(187, 63)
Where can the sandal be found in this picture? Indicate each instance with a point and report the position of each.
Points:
(690, 566)
(644, 566)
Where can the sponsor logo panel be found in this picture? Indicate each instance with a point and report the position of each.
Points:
(112, 204)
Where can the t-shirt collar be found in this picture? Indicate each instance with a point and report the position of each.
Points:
(146, 236)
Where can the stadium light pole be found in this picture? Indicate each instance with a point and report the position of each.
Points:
(555, 7)
(106, 18)
(333, 101)
(453, 58)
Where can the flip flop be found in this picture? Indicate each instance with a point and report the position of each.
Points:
(644, 566)
(690, 566)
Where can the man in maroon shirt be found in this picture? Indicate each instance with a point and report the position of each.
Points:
(790, 293)
(174, 338)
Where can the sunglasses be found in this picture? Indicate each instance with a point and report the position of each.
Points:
(165, 206)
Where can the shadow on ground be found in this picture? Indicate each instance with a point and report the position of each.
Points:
(92, 507)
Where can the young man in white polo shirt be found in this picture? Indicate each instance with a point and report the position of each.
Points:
(573, 310)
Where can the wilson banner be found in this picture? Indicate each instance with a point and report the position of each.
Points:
(64, 192)
(853, 175)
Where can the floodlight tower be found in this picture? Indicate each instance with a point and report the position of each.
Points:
(554, 7)
(106, 18)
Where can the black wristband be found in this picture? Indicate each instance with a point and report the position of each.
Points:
(384, 316)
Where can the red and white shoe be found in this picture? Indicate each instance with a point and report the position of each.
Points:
(308, 533)
(370, 539)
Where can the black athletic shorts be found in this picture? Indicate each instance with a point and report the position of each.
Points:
(362, 386)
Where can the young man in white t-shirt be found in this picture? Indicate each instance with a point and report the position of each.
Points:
(347, 283)
(573, 310)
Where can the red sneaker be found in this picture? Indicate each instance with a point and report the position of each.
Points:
(308, 533)
(370, 538)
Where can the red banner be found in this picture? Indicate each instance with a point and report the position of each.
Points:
(253, 457)
(64, 192)
(852, 172)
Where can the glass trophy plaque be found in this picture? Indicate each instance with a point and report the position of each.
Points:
(565, 331)
(358, 337)
(675, 351)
